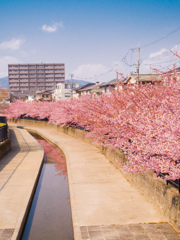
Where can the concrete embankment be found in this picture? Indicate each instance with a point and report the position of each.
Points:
(103, 202)
(164, 198)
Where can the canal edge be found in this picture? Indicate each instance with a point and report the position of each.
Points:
(74, 215)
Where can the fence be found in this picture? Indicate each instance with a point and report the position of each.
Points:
(175, 183)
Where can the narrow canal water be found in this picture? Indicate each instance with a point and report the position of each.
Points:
(50, 214)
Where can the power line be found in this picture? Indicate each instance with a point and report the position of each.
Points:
(161, 38)
(131, 51)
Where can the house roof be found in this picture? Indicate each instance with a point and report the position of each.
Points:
(84, 86)
(146, 78)
(110, 83)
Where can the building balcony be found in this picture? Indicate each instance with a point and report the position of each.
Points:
(23, 76)
(24, 85)
(24, 89)
(24, 81)
(49, 80)
(40, 75)
(13, 67)
(32, 75)
(56, 71)
(13, 81)
(59, 75)
(13, 76)
(23, 67)
(13, 71)
(49, 71)
(13, 85)
(13, 89)
(49, 67)
(49, 75)
(32, 80)
(60, 80)
(33, 67)
(23, 71)
(40, 67)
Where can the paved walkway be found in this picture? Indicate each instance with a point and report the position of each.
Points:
(104, 205)
(19, 170)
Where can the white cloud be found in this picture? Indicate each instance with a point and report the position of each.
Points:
(98, 72)
(4, 61)
(161, 60)
(13, 44)
(52, 28)
(162, 52)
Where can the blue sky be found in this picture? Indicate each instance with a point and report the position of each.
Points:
(91, 37)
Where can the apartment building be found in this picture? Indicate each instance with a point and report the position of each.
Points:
(27, 78)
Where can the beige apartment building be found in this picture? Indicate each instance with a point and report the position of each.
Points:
(27, 78)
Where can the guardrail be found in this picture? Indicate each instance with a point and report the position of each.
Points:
(174, 183)
(3, 128)
(3, 132)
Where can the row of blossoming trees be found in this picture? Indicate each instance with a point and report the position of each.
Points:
(142, 120)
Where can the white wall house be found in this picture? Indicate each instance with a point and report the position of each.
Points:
(63, 91)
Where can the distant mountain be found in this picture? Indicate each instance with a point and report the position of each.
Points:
(4, 82)
(81, 82)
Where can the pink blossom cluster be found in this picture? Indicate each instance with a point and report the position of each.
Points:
(142, 120)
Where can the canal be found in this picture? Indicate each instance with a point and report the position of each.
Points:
(50, 214)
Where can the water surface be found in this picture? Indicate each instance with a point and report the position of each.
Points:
(50, 214)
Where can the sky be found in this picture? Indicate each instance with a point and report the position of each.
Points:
(94, 38)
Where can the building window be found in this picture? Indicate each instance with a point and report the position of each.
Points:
(67, 86)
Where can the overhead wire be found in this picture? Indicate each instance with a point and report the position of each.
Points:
(131, 51)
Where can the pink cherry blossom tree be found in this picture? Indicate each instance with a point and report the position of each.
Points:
(142, 120)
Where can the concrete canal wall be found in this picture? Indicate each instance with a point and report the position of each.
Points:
(165, 198)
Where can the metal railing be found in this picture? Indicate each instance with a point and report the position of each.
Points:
(174, 183)
(3, 133)
(3, 129)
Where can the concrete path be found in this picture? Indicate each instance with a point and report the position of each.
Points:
(19, 171)
(104, 204)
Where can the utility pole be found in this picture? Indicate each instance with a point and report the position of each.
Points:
(138, 62)
(72, 85)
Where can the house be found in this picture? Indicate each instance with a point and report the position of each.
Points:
(44, 95)
(106, 86)
(95, 88)
(63, 91)
(82, 90)
(143, 78)
(30, 98)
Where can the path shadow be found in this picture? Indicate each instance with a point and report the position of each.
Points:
(15, 150)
